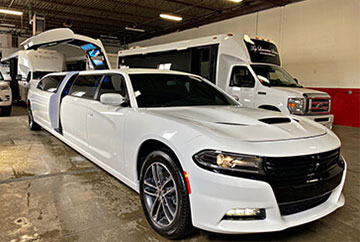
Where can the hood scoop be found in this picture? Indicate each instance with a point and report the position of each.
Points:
(278, 120)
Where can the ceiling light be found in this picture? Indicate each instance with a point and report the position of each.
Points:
(135, 29)
(12, 12)
(170, 17)
(236, 1)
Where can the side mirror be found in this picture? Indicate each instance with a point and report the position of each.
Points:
(264, 80)
(112, 99)
(18, 77)
(296, 80)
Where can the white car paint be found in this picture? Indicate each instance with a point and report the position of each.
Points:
(232, 52)
(111, 136)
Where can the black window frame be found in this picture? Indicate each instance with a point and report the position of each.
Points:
(231, 83)
(45, 77)
(127, 97)
(97, 88)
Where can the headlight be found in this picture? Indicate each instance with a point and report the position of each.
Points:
(296, 105)
(225, 162)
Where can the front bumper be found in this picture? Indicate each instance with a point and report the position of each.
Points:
(5, 98)
(326, 120)
(214, 194)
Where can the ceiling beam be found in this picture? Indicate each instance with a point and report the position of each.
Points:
(78, 16)
(97, 9)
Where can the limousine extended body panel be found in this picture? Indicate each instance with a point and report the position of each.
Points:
(224, 161)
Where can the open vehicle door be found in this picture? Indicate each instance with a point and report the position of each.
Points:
(94, 49)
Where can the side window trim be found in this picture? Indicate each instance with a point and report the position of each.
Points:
(231, 84)
(42, 81)
(97, 88)
(97, 97)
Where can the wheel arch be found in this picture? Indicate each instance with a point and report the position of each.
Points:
(149, 146)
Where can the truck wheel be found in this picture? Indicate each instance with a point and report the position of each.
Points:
(164, 196)
(6, 111)
(32, 124)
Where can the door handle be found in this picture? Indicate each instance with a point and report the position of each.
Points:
(262, 93)
(91, 114)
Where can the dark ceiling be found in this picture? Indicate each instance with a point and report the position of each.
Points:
(110, 17)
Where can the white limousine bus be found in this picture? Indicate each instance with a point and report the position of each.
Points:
(248, 69)
(197, 158)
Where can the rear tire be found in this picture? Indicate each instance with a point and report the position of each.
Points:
(164, 196)
(6, 111)
(32, 124)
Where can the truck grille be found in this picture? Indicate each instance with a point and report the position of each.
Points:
(300, 178)
(318, 105)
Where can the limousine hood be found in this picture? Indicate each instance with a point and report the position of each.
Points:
(244, 124)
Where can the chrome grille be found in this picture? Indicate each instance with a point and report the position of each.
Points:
(318, 105)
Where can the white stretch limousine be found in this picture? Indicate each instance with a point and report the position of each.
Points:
(197, 158)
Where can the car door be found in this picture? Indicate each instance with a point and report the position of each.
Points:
(242, 85)
(74, 107)
(40, 103)
(105, 123)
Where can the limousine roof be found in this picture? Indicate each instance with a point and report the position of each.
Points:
(130, 71)
(126, 71)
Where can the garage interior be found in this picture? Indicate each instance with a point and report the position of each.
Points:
(49, 192)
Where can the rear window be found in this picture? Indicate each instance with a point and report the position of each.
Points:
(85, 86)
(50, 83)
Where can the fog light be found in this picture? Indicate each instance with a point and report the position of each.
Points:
(245, 213)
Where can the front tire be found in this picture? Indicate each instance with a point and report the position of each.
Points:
(6, 111)
(164, 196)
(32, 124)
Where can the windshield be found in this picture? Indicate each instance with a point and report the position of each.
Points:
(168, 90)
(40, 74)
(276, 75)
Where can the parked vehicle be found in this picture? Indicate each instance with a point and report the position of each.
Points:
(29, 65)
(55, 50)
(5, 97)
(248, 69)
(196, 156)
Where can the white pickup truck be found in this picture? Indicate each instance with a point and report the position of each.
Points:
(248, 69)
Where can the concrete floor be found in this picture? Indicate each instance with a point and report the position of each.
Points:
(48, 192)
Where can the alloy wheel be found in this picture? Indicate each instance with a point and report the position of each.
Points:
(160, 194)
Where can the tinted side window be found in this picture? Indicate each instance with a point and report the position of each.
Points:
(50, 83)
(85, 86)
(241, 77)
(113, 84)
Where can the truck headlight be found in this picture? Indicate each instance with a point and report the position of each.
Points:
(225, 162)
(296, 105)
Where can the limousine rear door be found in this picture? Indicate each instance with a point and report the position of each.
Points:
(93, 49)
(43, 95)
(74, 108)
